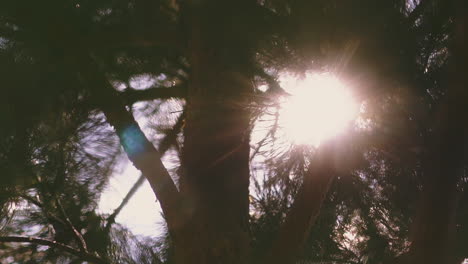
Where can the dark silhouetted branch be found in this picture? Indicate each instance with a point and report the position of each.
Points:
(131, 96)
(164, 145)
(47, 213)
(79, 238)
(141, 152)
(273, 84)
(133, 190)
(171, 136)
(305, 209)
(40, 241)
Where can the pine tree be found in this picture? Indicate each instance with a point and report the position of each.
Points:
(68, 70)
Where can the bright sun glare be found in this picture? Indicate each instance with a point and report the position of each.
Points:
(320, 107)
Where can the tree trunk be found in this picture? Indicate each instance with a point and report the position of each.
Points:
(305, 209)
(433, 228)
(215, 160)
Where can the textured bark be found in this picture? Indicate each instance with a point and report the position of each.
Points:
(215, 160)
(433, 228)
(432, 231)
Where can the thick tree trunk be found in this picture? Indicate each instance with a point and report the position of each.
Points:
(433, 228)
(215, 160)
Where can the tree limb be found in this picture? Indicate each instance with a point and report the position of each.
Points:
(48, 215)
(164, 145)
(131, 96)
(141, 152)
(305, 209)
(79, 238)
(40, 241)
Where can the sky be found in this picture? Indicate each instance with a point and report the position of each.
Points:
(142, 214)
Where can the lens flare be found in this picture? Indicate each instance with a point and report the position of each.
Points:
(133, 140)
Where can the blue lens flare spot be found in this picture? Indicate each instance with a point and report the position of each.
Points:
(133, 140)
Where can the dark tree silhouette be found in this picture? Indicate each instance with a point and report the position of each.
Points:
(392, 191)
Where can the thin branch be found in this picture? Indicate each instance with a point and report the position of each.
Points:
(76, 233)
(171, 136)
(67, 222)
(133, 190)
(47, 213)
(271, 133)
(273, 84)
(32, 200)
(40, 241)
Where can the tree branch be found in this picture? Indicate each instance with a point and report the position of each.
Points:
(131, 96)
(133, 190)
(164, 145)
(305, 209)
(171, 136)
(76, 233)
(47, 214)
(40, 241)
(141, 152)
(274, 86)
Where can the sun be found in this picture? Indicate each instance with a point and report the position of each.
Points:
(319, 107)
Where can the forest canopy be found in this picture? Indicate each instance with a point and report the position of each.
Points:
(227, 109)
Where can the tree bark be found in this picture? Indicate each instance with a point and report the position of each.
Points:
(433, 228)
(215, 158)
